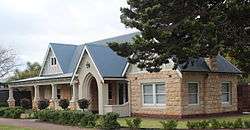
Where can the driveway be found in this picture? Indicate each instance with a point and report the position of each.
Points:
(31, 123)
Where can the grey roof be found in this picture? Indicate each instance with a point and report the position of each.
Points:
(64, 54)
(44, 77)
(106, 60)
(199, 65)
(119, 39)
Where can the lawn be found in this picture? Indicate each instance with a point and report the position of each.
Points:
(8, 127)
(154, 123)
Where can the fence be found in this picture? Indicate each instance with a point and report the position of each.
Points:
(244, 97)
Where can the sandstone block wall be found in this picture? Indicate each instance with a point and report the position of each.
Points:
(177, 93)
(173, 89)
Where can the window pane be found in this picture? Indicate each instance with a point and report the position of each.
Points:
(160, 88)
(148, 89)
(148, 99)
(193, 99)
(225, 87)
(225, 97)
(160, 99)
(192, 87)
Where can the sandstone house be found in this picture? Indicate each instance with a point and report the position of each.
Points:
(95, 72)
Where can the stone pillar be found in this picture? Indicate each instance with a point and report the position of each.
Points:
(36, 97)
(53, 101)
(102, 97)
(11, 100)
(73, 102)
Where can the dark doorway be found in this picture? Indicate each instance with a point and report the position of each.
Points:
(93, 95)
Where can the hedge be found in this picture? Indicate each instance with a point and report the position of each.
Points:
(8, 112)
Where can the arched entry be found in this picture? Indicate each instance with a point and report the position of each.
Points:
(93, 95)
(91, 91)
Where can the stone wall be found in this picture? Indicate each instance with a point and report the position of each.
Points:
(177, 93)
(209, 93)
(173, 89)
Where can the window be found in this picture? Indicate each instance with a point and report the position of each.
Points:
(226, 92)
(58, 93)
(110, 92)
(122, 93)
(154, 94)
(193, 93)
(53, 61)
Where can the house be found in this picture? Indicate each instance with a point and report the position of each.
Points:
(96, 72)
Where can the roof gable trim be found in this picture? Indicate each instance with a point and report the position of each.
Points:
(79, 62)
(50, 48)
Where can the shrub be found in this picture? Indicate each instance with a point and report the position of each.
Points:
(247, 124)
(42, 104)
(66, 117)
(64, 103)
(227, 124)
(169, 125)
(4, 104)
(109, 121)
(11, 112)
(198, 124)
(25, 103)
(238, 123)
(89, 120)
(83, 103)
(133, 123)
(215, 124)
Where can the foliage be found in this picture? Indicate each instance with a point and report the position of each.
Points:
(184, 30)
(64, 103)
(109, 121)
(66, 117)
(25, 103)
(4, 104)
(215, 124)
(8, 112)
(198, 124)
(238, 123)
(83, 103)
(42, 104)
(246, 123)
(133, 123)
(169, 125)
(7, 61)
(32, 70)
(227, 124)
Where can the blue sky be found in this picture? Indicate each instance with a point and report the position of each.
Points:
(27, 26)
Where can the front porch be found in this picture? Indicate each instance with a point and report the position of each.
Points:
(110, 96)
(52, 89)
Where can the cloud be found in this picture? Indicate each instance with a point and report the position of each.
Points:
(29, 25)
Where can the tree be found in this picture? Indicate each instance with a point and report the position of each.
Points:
(7, 61)
(184, 30)
(32, 70)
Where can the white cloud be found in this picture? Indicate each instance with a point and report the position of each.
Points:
(29, 25)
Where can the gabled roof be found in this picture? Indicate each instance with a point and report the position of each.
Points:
(199, 65)
(64, 54)
(108, 63)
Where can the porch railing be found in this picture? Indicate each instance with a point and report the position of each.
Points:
(122, 110)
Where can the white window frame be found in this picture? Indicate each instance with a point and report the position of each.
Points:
(124, 92)
(229, 93)
(154, 95)
(198, 93)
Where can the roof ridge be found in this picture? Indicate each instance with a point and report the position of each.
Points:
(113, 37)
(65, 44)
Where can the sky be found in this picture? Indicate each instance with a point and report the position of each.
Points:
(28, 26)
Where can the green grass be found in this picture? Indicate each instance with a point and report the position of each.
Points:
(155, 123)
(8, 127)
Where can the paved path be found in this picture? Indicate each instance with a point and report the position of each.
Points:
(30, 123)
